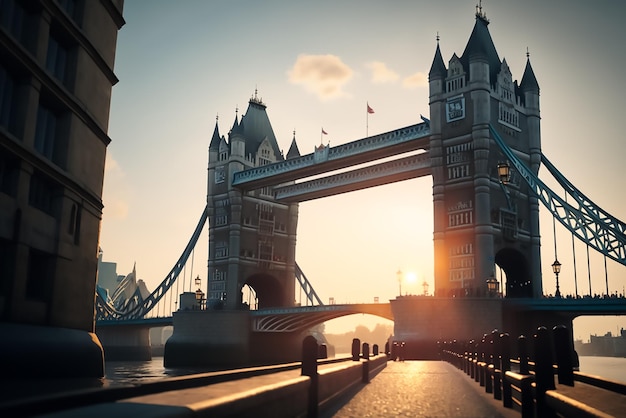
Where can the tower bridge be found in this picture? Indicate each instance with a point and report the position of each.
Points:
(481, 121)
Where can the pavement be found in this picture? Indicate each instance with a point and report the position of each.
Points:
(420, 389)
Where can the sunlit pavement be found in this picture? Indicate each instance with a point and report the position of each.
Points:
(421, 389)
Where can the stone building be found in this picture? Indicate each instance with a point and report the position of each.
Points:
(56, 77)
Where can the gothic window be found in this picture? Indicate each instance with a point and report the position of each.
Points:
(508, 116)
(221, 249)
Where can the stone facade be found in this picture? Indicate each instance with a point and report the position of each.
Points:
(56, 76)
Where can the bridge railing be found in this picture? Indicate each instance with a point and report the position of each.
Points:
(530, 388)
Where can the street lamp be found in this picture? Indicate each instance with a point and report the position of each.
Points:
(556, 268)
(199, 293)
(399, 276)
(504, 173)
(492, 286)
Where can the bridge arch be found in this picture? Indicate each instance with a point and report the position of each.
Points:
(518, 276)
(269, 290)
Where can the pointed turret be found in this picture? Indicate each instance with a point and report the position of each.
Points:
(438, 68)
(293, 152)
(480, 47)
(529, 81)
(214, 145)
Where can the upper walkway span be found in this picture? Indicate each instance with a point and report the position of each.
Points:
(326, 158)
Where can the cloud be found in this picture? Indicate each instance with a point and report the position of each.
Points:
(115, 208)
(324, 75)
(416, 80)
(381, 73)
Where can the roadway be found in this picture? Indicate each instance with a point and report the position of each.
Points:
(420, 389)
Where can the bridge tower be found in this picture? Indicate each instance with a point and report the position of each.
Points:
(252, 237)
(479, 222)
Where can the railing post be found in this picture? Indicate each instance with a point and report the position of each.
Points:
(366, 364)
(497, 366)
(356, 349)
(544, 374)
(482, 365)
(564, 354)
(505, 366)
(309, 368)
(489, 366)
(522, 349)
(375, 350)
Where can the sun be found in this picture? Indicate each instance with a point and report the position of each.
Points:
(411, 277)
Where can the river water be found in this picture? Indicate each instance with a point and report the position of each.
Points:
(134, 372)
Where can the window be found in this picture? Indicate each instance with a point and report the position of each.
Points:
(72, 8)
(57, 58)
(50, 135)
(40, 275)
(73, 227)
(7, 86)
(43, 193)
(9, 172)
(12, 17)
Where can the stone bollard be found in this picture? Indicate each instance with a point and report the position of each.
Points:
(356, 349)
(387, 350)
(366, 364)
(489, 366)
(482, 362)
(564, 354)
(375, 349)
(309, 368)
(522, 349)
(505, 366)
(544, 374)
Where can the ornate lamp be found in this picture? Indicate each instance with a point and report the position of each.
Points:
(504, 173)
(399, 276)
(199, 293)
(492, 286)
(556, 268)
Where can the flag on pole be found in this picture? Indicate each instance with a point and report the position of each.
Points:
(324, 132)
(369, 109)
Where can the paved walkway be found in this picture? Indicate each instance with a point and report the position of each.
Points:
(421, 389)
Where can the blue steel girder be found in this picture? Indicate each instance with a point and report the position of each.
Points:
(410, 138)
(362, 178)
(583, 218)
(140, 310)
(297, 319)
(311, 295)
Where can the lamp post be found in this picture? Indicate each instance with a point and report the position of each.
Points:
(492, 286)
(399, 276)
(556, 268)
(504, 173)
(199, 293)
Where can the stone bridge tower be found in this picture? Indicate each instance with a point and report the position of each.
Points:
(479, 222)
(252, 237)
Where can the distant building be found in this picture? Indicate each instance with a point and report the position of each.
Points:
(56, 76)
(606, 345)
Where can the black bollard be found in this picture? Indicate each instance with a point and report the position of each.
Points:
(544, 374)
(522, 349)
(366, 364)
(366, 351)
(564, 354)
(356, 349)
(387, 350)
(505, 366)
(309, 368)
(375, 349)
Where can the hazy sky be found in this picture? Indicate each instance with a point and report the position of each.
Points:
(317, 64)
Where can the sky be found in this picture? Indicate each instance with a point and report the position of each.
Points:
(184, 65)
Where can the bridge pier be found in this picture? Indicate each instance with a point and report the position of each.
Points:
(209, 338)
(130, 343)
